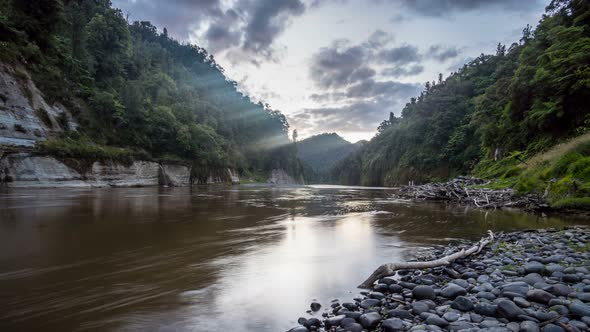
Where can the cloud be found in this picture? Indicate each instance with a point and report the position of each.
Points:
(222, 33)
(327, 97)
(378, 39)
(249, 28)
(266, 20)
(347, 79)
(442, 54)
(339, 65)
(356, 117)
(445, 7)
(180, 17)
(371, 89)
(398, 18)
(400, 55)
(403, 71)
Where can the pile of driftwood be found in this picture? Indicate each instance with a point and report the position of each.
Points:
(460, 190)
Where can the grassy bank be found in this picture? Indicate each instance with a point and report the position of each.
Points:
(561, 174)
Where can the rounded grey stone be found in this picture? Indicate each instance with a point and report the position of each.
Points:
(452, 290)
(423, 292)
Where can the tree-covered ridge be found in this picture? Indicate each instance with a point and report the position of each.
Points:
(527, 97)
(134, 87)
(321, 152)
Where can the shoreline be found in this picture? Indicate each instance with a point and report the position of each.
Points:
(472, 192)
(530, 280)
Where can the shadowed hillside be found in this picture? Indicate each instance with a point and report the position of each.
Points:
(320, 152)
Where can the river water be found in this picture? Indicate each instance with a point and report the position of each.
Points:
(208, 259)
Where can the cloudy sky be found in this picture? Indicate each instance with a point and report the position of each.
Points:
(339, 65)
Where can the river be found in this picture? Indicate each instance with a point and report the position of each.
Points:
(240, 258)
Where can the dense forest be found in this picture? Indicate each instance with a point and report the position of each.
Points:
(136, 89)
(500, 108)
(320, 153)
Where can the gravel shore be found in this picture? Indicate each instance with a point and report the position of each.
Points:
(536, 280)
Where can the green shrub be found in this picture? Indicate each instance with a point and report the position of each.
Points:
(563, 187)
(561, 166)
(511, 172)
(563, 173)
(503, 168)
(573, 202)
(580, 168)
(82, 148)
(527, 183)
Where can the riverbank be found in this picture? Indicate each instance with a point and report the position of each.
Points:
(523, 281)
(473, 191)
(482, 194)
(26, 169)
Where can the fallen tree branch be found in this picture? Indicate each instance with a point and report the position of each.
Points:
(389, 269)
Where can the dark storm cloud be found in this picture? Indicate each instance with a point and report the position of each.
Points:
(442, 54)
(251, 25)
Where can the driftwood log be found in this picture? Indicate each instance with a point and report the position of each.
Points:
(389, 269)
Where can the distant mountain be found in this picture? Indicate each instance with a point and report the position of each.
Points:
(320, 152)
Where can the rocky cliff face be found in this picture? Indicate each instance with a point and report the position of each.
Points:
(174, 175)
(25, 116)
(22, 170)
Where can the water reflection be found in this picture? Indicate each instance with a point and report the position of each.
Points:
(207, 259)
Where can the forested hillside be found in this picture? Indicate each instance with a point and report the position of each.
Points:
(131, 86)
(500, 108)
(320, 153)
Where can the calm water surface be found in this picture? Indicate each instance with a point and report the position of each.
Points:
(208, 259)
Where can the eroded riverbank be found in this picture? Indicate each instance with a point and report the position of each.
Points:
(525, 281)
